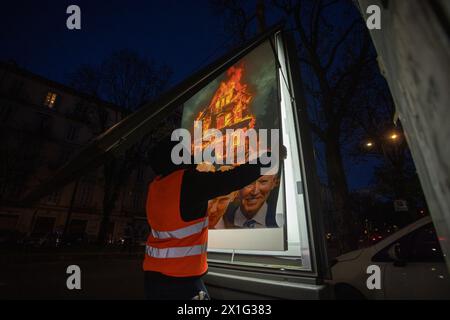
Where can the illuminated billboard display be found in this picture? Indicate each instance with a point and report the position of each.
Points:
(243, 97)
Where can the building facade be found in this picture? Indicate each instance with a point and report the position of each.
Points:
(42, 125)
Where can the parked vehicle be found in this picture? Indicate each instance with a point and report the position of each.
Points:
(411, 267)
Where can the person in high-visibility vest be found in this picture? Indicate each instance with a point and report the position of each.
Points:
(177, 202)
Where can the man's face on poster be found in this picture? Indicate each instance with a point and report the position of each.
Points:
(217, 208)
(254, 195)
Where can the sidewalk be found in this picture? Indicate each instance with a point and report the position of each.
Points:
(37, 255)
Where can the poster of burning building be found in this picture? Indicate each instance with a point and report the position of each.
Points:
(242, 98)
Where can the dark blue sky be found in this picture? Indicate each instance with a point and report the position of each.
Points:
(180, 33)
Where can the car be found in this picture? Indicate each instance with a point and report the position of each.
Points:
(411, 266)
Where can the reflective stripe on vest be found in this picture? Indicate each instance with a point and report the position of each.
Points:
(182, 232)
(176, 252)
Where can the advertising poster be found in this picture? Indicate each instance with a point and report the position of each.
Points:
(245, 97)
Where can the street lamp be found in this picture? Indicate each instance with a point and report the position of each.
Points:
(394, 136)
(379, 143)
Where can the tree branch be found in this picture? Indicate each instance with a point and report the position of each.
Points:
(339, 42)
(317, 130)
(315, 23)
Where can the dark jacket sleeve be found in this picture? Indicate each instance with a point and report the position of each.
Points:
(199, 187)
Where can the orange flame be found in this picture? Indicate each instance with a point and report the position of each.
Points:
(229, 107)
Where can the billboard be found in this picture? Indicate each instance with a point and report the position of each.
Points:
(243, 97)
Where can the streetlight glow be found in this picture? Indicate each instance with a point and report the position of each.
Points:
(369, 144)
(394, 136)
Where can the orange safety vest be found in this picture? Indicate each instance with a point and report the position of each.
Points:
(174, 247)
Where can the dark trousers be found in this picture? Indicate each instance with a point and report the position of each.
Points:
(161, 287)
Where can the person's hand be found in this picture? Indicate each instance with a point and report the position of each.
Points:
(225, 168)
(205, 167)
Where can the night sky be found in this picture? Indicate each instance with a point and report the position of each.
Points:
(185, 35)
(180, 33)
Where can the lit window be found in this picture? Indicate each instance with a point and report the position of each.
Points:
(220, 122)
(235, 141)
(228, 119)
(237, 113)
(50, 99)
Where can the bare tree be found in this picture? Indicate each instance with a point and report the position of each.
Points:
(238, 17)
(335, 53)
(127, 80)
(395, 176)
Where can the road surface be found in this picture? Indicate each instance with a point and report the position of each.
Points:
(100, 279)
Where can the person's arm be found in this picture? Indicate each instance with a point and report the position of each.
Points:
(199, 187)
(208, 185)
